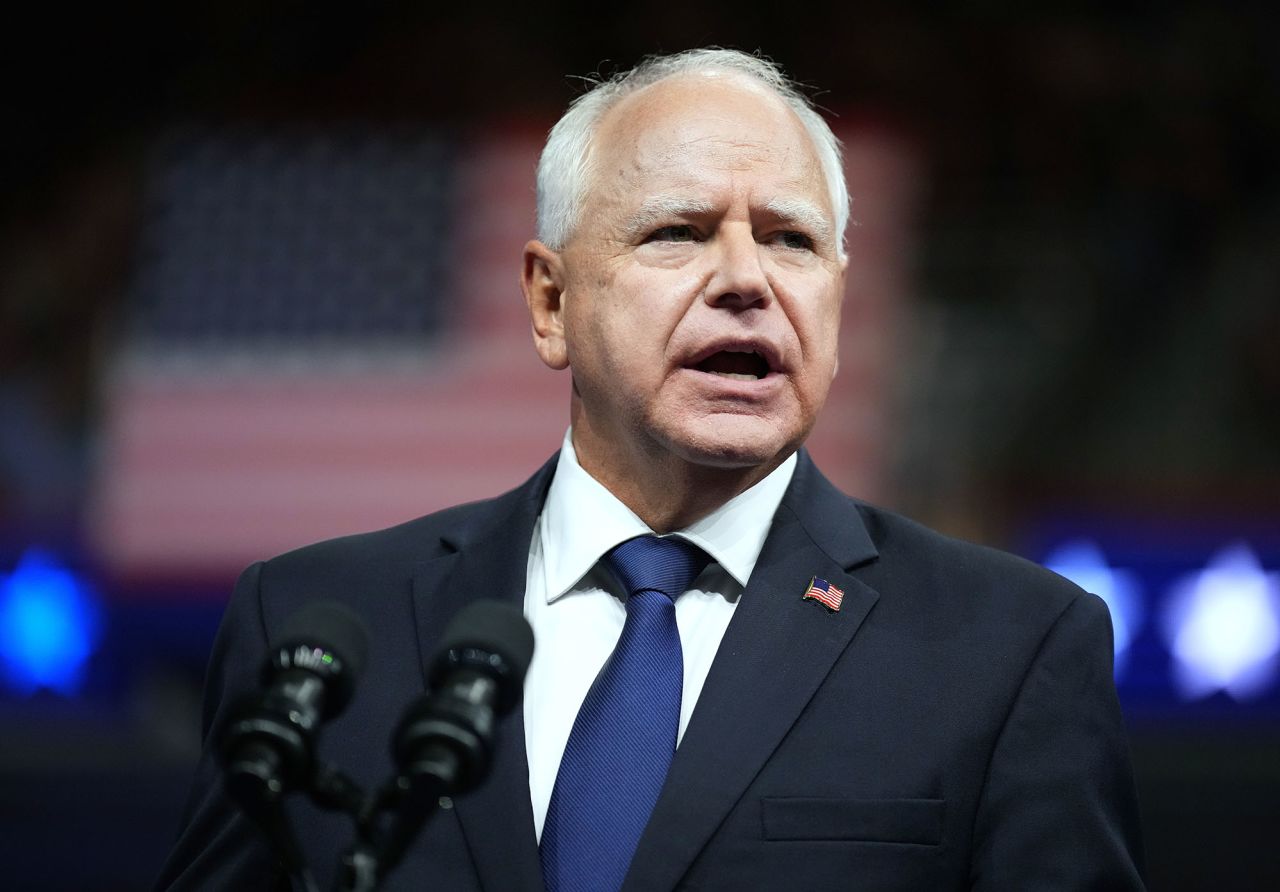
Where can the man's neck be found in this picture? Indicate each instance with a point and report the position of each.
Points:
(664, 490)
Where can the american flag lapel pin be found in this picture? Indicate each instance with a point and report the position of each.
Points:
(824, 593)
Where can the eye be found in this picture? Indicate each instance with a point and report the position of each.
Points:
(678, 233)
(797, 241)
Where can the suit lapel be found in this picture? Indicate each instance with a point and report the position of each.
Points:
(490, 561)
(774, 656)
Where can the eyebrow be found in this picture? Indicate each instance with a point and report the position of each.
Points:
(790, 211)
(802, 214)
(662, 208)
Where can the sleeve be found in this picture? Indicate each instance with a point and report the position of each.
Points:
(217, 846)
(1058, 810)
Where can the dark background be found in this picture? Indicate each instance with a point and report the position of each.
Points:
(1094, 317)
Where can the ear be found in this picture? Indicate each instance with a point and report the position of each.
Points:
(542, 281)
(841, 283)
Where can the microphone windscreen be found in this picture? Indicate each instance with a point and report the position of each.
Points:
(491, 627)
(333, 627)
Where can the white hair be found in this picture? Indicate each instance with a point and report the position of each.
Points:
(565, 167)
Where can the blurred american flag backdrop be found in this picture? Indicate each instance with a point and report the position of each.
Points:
(326, 335)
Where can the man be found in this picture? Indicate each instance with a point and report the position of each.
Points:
(859, 702)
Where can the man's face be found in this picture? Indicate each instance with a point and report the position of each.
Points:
(700, 292)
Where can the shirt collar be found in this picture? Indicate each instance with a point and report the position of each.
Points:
(581, 520)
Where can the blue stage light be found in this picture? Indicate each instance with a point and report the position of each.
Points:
(48, 625)
(1083, 563)
(1222, 627)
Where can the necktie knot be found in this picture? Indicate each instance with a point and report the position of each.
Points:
(648, 563)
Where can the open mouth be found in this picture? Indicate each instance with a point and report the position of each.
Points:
(740, 366)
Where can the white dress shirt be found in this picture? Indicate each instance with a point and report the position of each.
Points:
(576, 608)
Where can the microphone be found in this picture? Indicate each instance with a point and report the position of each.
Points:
(267, 743)
(444, 742)
(477, 675)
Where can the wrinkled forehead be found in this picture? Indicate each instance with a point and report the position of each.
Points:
(697, 129)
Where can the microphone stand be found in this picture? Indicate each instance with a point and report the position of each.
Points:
(333, 790)
(414, 796)
(374, 853)
(442, 746)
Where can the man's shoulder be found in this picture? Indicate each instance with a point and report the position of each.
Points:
(423, 537)
(895, 534)
(940, 567)
(900, 555)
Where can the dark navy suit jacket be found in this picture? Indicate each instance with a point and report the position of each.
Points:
(953, 726)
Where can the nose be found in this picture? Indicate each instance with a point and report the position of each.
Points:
(738, 280)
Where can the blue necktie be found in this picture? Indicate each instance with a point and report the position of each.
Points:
(624, 736)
